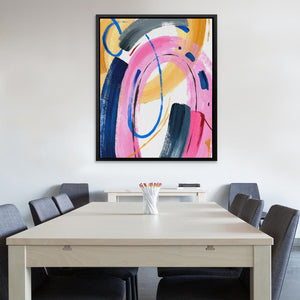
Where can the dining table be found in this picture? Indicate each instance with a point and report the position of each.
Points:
(104, 234)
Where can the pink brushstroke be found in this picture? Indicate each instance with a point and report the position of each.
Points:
(195, 135)
(205, 105)
(144, 59)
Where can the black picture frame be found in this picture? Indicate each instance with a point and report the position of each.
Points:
(213, 18)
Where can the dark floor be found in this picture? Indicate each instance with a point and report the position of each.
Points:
(291, 286)
(148, 280)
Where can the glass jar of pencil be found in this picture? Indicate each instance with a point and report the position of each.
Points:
(150, 197)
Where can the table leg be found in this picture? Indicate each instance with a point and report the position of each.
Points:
(111, 197)
(200, 197)
(19, 275)
(260, 275)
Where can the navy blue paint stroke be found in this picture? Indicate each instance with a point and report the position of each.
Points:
(140, 27)
(183, 28)
(105, 34)
(178, 131)
(109, 107)
(130, 121)
(203, 80)
(190, 56)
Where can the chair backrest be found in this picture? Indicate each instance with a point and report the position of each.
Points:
(281, 224)
(238, 203)
(63, 203)
(43, 210)
(243, 188)
(77, 192)
(11, 222)
(251, 212)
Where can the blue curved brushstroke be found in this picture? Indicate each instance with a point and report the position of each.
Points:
(178, 131)
(183, 28)
(105, 34)
(203, 80)
(109, 107)
(130, 123)
(190, 56)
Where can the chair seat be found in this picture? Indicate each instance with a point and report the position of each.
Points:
(80, 288)
(200, 287)
(220, 272)
(119, 272)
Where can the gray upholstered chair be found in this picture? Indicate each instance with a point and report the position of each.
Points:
(250, 212)
(243, 188)
(63, 203)
(77, 192)
(43, 210)
(45, 287)
(79, 195)
(238, 203)
(280, 223)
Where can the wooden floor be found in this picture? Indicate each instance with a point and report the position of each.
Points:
(148, 280)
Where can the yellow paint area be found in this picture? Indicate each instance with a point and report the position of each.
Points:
(112, 41)
(207, 142)
(169, 82)
(208, 33)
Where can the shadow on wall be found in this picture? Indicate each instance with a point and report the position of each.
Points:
(52, 191)
(221, 196)
(102, 197)
(98, 196)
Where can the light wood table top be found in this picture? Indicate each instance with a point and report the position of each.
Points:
(102, 223)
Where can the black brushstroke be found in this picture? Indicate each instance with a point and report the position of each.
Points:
(140, 27)
(178, 131)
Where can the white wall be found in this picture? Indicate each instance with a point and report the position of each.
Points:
(47, 95)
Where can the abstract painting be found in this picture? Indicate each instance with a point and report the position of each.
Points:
(156, 87)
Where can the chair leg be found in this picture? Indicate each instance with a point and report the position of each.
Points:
(134, 288)
(135, 280)
(128, 289)
(133, 295)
